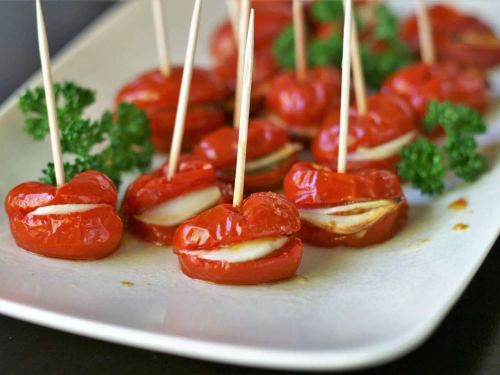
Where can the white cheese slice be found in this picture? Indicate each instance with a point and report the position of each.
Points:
(278, 155)
(241, 252)
(382, 151)
(64, 209)
(178, 209)
(351, 218)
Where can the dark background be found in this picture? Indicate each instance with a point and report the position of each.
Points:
(467, 342)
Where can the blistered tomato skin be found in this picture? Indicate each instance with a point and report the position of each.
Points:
(157, 95)
(310, 185)
(421, 83)
(457, 36)
(86, 235)
(261, 215)
(304, 103)
(150, 190)
(388, 118)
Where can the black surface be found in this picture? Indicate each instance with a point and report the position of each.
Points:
(468, 341)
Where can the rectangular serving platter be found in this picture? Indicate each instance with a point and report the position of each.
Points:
(345, 309)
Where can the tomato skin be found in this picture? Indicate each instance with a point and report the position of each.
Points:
(91, 234)
(420, 83)
(271, 17)
(310, 185)
(280, 265)
(157, 95)
(451, 29)
(260, 215)
(150, 190)
(388, 117)
(304, 104)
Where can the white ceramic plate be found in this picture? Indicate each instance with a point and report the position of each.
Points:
(347, 309)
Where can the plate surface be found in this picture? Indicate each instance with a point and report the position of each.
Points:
(346, 309)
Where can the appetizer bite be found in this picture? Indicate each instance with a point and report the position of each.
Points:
(250, 242)
(379, 126)
(346, 209)
(155, 204)
(300, 100)
(349, 209)
(157, 93)
(73, 220)
(458, 37)
(269, 157)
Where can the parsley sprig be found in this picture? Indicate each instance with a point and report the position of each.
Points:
(425, 164)
(113, 144)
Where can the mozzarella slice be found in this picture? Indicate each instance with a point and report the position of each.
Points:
(382, 151)
(241, 252)
(351, 218)
(64, 209)
(281, 154)
(176, 210)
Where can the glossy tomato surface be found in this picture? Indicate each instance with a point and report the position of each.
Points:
(304, 104)
(279, 265)
(90, 234)
(261, 215)
(150, 190)
(310, 185)
(271, 17)
(457, 36)
(421, 83)
(388, 118)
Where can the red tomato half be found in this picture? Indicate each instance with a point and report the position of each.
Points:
(150, 190)
(304, 104)
(157, 95)
(220, 149)
(310, 185)
(91, 234)
(420, 83)
(261, 215)
(388, 118)
(458, 37)
(271, 17)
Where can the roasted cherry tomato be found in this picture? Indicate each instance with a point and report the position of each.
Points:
(157, 95)
(75, 221)
(264, 69)
(346, 209)
(151, 190)
(301, 106)
(374, 139)
(262, 216)
(458, 37)
(271, 17)
(420, 83)
(264, 139)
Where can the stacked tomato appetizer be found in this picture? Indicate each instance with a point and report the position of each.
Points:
(75, 221)
(346, 209)
(270, 154)
(157, 94)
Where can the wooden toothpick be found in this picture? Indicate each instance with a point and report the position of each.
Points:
(239, 180)
(187, 72)
(43, 47)
(357, 72)
(242, 36)
(300, 41)
(425, 34)
(161, 36)
(233, 12)
(345, 93)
